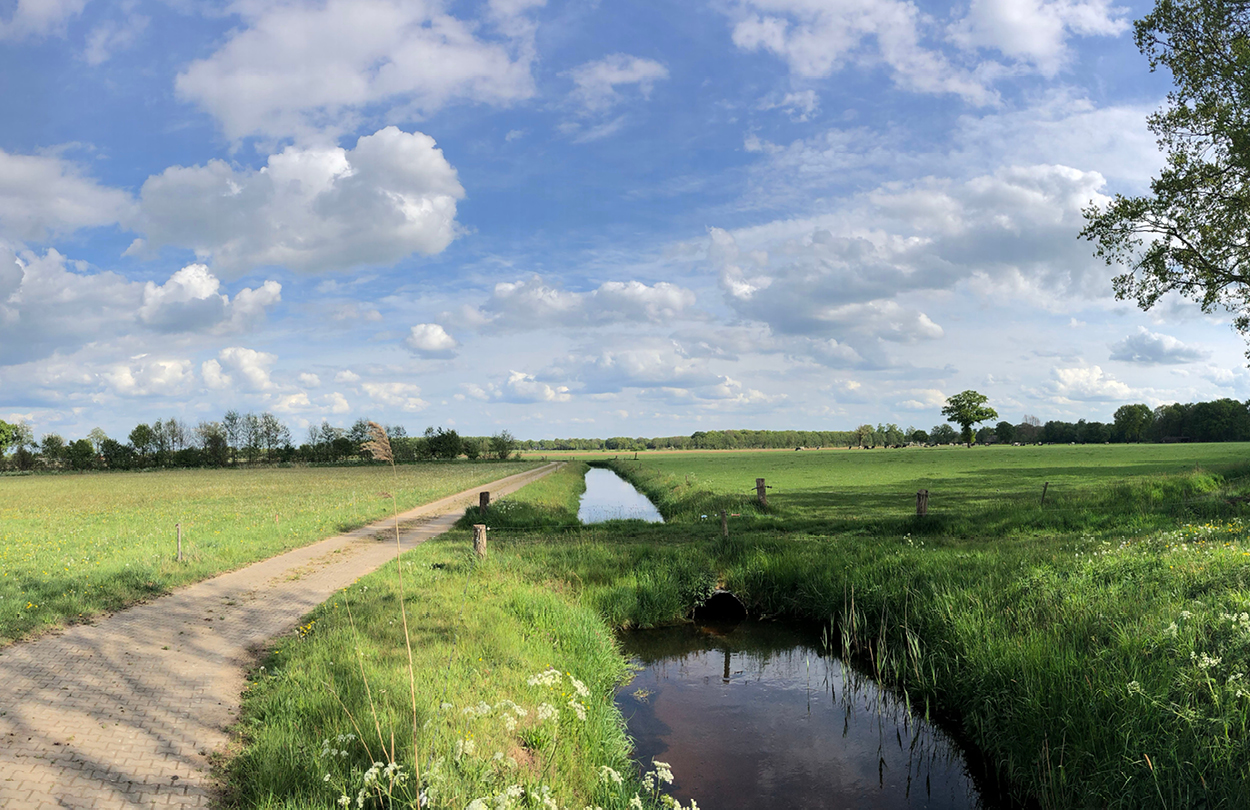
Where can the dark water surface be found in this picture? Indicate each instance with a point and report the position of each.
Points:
(610, 497)
(761, 716)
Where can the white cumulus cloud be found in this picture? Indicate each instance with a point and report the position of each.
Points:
(190, 300)
(816, 38)
(1035, 32)
(310, 210)
(1086, 385)
(147, 376)
(597, 82)
(47, 195)
(302, 68)
(1150, 348)
(533, 303)
(243, 366)
(37, 18)
(431, 340)
(404, 396)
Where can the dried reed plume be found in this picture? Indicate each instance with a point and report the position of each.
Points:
(379, 446)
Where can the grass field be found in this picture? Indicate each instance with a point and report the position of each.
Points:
(72, 546)
(835, 483)
(1099, 661)
(1096, 649)
(980, 491)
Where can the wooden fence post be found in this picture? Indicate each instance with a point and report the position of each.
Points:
(1045, 486)
(178, 526)
(922, 502)
(483, 501)
(479, 540)
(724, 524)
(761, 493)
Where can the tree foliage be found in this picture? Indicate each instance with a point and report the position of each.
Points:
(966, 409)
(502, 444)
(1191, 234)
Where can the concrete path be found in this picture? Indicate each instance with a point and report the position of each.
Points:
(124, 713)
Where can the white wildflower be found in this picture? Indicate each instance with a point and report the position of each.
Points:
(1206, 662)
(550, 677)
(547, 712)
(579, 687)
(636, 802)
(609, 774)
(477, 804)
(578, 709)
(664, 771)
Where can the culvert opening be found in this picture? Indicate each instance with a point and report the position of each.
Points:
(721, 608)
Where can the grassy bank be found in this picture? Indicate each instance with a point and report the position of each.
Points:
(513, 686)
(548, 503)
(1099, 662)
(72, 546)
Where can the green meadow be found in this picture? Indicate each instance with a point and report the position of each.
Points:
(73, 546)
(1095, 649)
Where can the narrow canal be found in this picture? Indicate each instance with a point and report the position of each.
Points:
(610, 497)
(762, 716)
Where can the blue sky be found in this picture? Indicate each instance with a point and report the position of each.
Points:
(576, 218)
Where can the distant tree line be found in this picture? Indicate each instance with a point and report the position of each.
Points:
(238, 439)
(1222, 420)
(249, 439)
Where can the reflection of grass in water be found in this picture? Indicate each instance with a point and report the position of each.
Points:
(784, 662)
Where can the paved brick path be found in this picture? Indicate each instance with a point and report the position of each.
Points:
(124, 713)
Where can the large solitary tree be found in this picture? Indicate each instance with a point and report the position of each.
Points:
(1191, 234)
(967, 409)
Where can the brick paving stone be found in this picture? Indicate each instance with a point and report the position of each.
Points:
(102, 716)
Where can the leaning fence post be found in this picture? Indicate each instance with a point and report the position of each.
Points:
(761, 493)
(1044, 486)
(479, 540)
(178, 526)
(483, 501)
(922, 502)
(724, 524)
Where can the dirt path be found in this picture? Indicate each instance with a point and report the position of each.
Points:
(124, 713)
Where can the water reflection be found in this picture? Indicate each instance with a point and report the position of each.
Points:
(761, 717)
(610, 497)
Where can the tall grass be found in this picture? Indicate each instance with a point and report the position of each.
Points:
(513, 682)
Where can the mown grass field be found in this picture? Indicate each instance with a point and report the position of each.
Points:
(72, 546)
(1100, 659)
(831, 484)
